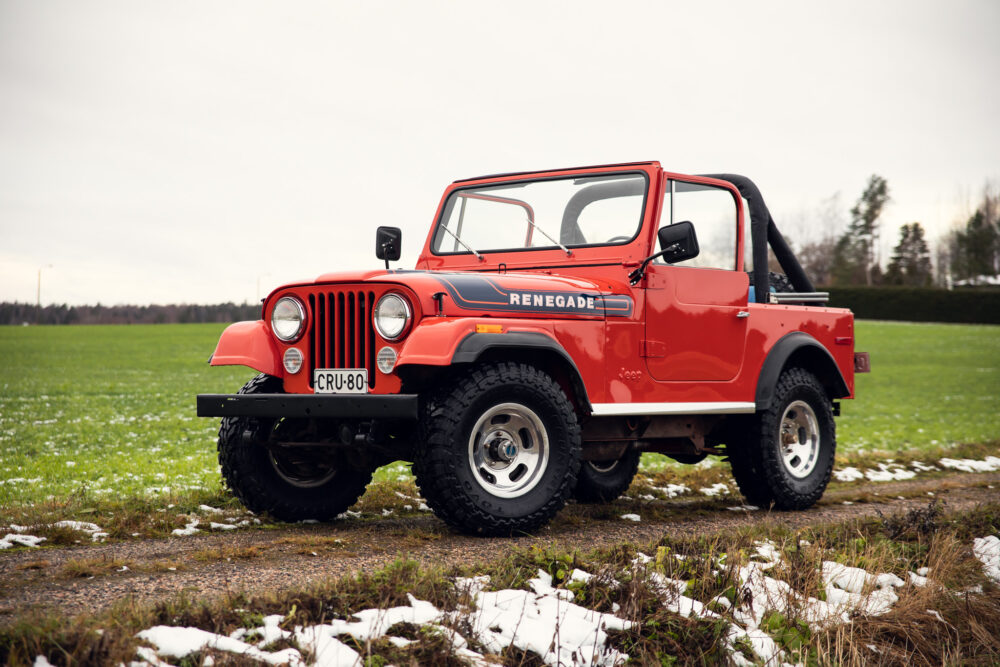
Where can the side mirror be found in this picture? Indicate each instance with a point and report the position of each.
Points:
(388, 243)
(678, 242)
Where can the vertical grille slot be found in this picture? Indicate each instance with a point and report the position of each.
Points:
(341, 333)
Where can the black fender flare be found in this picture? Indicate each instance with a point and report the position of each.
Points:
(804, 351)
(472, 348)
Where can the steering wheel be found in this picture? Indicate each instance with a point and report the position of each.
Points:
(615, 239)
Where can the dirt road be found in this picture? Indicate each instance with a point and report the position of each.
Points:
(291, 556)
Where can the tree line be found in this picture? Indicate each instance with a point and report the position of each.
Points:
(969, 254)
(28, 313)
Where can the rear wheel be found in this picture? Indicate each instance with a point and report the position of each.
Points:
(499, 451)
(603, 481)
(787, 454)
(291, 483)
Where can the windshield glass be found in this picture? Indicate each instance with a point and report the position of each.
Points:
(552, 213)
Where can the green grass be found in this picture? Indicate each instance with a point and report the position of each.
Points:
(107, 412)
(931, 384)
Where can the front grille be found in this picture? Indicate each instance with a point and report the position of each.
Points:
(341, 335)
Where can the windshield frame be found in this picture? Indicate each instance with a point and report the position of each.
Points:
(454, 194)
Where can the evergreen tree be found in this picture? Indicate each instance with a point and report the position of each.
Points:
(855, 258)
(911, 258)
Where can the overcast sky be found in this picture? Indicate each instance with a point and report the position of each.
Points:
(156, 152)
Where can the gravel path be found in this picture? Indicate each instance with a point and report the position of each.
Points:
(268, 560)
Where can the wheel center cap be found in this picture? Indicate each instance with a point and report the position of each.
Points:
(502, 447)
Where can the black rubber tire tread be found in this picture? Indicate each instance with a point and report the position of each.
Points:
(249, 473)
(746, 470)
(441, 465)
(763, 451)
(594, 486)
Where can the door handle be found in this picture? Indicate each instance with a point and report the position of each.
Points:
(743, 313)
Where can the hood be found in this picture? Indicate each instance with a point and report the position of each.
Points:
(503, 294)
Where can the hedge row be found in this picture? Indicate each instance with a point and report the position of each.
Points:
(919, 304)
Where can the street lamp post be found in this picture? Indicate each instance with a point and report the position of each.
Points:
(38, 294)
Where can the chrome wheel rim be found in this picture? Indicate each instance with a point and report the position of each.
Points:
(799, 439)
(508, 450)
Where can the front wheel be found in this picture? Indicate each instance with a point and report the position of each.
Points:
(787, 456)
(291, 483)
(499, 451)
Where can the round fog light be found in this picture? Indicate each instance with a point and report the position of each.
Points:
(386, 359)
(292, 360)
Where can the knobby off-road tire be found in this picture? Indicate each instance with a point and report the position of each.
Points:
(292, 485)
(603, 481)
(787, 457)
(499, 451)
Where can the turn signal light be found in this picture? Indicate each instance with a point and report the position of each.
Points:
(489, 328)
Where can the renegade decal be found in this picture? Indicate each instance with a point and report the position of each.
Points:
(483, 293)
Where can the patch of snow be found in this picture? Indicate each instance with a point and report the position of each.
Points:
(848, 474)
(189, 529)
(11, 539)
(716, 489)
(889, 473)
(180, 642)
(672, 490)
(210, 510)
(221, 526)
(987, 550)
(989, 464)
(743, 508)
(631, 517)
(542, 621)
(916, 579)
(92, 529)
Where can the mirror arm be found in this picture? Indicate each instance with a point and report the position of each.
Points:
(636, 275)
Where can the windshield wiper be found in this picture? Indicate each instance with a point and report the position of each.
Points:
(464, 244)
(566, 250)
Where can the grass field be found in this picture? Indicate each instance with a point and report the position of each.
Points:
(108, 411)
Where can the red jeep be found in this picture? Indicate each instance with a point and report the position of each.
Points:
(557, 324)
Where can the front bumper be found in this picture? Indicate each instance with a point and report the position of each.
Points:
(358, 406)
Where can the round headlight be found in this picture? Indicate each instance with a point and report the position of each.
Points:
(288, 319)
(391, 316)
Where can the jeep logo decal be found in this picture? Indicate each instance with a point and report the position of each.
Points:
(487, 294)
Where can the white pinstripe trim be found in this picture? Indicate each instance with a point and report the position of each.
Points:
(712, 408)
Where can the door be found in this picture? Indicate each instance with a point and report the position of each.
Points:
(696, 310)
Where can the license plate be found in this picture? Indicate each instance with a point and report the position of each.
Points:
(340, 380)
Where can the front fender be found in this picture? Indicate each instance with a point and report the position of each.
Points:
(248, 344)
(435, 341)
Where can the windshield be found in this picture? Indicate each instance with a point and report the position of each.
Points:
(552, 213)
